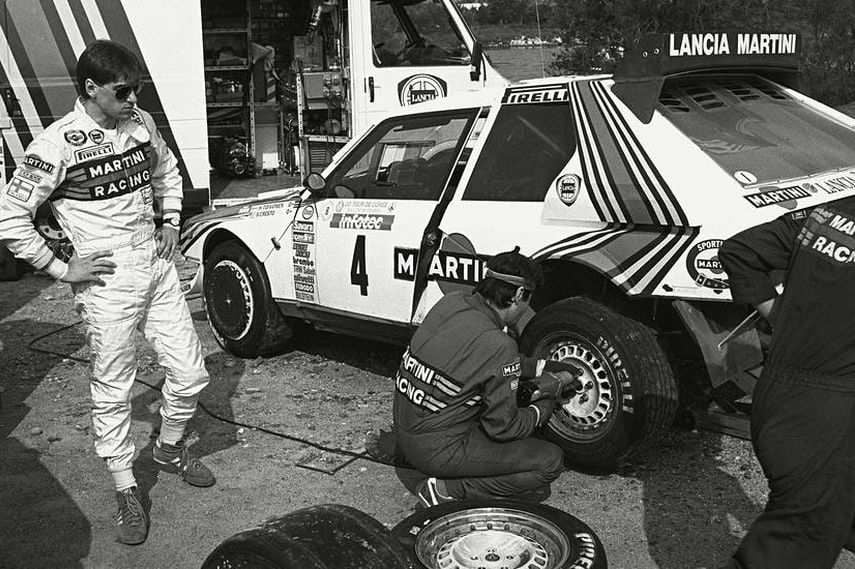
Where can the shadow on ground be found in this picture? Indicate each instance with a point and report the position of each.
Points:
(694, 509)
(34, 505)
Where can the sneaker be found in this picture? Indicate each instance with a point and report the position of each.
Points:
(428, 494)
(176, 458)
(131, 519)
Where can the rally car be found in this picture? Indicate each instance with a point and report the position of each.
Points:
(622, 187)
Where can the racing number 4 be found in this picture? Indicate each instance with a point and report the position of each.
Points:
(358, 272)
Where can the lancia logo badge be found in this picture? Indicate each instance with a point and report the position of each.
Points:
(568, 188)
(420, 88)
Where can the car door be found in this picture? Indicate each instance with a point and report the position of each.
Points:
(381, 196)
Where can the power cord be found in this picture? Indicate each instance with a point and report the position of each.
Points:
(332, 450)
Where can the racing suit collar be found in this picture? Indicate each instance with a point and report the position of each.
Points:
(130, 126)
(480, 303)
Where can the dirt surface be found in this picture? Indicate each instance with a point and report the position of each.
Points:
(683, 504)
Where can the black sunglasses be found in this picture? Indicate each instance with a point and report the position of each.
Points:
(122, 92)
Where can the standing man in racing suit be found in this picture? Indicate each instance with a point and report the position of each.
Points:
(102, 167)
(455, 409)
(803, 407)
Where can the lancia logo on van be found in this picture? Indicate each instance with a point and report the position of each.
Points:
(568, 188)
(420, 88)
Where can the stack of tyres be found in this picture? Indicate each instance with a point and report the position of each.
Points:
(493, 534)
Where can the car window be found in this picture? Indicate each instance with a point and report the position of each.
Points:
(754, 130)
(407, 33)
(407, 158)
(525, 150)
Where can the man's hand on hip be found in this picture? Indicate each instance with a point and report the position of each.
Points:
(89, 269)
(167, 240)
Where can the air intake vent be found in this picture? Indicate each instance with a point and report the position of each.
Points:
(705, 98)
(672, 102)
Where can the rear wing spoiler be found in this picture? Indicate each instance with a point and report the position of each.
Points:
(643, 70)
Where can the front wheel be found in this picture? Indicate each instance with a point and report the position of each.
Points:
(243, 316)
(499, 533)
(630, 392)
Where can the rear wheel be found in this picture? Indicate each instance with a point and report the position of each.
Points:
(320, 537)
(499, 533)
(631, 393)
(242, 313)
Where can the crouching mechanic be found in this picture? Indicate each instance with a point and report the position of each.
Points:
(455, 408)
(102, 167)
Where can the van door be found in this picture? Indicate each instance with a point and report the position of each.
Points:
(406, 52)
(382, 195)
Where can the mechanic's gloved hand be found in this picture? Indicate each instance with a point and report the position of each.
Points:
(546, 407)
(555, 366)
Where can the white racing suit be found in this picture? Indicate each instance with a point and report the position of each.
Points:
(102, 185)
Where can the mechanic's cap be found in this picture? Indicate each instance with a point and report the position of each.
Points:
(515, 269)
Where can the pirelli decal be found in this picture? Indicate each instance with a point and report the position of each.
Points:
(93, 152)
(555, 93)
(445, 266)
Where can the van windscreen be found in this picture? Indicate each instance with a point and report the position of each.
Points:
(749, 125)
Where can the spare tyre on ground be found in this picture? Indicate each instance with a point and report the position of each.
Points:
(499, 534)
(329, 536)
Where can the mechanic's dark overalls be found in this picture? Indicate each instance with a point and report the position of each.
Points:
(803, 411)
(455, 409)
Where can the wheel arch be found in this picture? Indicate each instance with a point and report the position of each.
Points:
(689, 331)
(565, 279)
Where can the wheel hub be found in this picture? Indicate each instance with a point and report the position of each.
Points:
(593, 406)
(492, 538)
(230, 296)
(492, 550)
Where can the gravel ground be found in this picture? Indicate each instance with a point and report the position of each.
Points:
(683, 504)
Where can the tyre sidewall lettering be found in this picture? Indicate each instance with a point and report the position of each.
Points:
(621, 374)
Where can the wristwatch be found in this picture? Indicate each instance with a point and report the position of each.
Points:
(172, 221)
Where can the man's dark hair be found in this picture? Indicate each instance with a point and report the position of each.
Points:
(500, 292)
(106, 61)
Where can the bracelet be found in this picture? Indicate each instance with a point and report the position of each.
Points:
(537, 412)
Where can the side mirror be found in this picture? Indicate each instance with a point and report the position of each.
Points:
(477, 61)
(315, 183)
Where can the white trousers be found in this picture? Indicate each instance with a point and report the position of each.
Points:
(143, 294)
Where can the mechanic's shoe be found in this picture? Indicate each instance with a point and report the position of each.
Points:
(176, 458)
(429, 495)
(131, 519)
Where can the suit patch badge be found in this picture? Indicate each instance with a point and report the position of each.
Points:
(20, 189)
(75, 137)
(28, 174)
(93, 152)
(515, 383)
(34, 161)
(511, 369)
(96, 136)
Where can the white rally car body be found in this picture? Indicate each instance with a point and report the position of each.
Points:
(623, 187)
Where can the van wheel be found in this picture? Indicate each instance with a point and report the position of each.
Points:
(328, 536)
(242, 313)
(631, 393)
(499, 533)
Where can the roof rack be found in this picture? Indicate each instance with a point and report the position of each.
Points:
(643, 70)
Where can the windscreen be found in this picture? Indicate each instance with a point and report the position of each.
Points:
(754, 130)
(408, 33)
